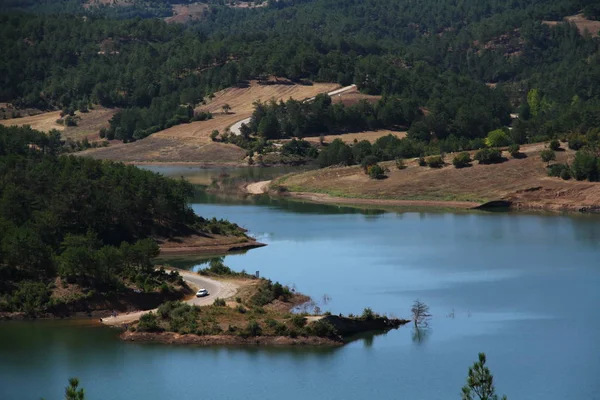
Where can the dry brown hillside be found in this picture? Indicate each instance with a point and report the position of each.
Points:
(191, 142)
(88, 126)
(521, 181)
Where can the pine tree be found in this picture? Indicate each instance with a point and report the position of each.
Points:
(480, 382)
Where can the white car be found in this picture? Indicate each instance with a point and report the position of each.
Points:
(202, 293)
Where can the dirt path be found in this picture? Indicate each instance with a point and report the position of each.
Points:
(258, 187)
(235, 128)
(220, 289)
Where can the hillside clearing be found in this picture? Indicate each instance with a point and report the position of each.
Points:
(582, 23)
(521, 181)
(87, 127)
(183, 13)
(191, 142)
(371, 136)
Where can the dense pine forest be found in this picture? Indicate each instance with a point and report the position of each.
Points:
(468, 63)
(89, 222)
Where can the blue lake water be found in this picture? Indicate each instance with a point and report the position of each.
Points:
(521, 288)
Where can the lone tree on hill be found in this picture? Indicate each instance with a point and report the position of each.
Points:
(547, 156)
(226, 108)
(480, 382)
(420, 314)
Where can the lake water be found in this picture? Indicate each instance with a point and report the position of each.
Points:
(521, 288)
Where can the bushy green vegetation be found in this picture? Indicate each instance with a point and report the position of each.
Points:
(376, 172)
(462, 160)
(489, 156)
(515, 150)
(89, 222)
(295, 118)
(269, 291)
(548, 155)
(586, 166)
(498, 138)
(435, 162)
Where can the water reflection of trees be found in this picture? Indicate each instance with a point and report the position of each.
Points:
(420, 335)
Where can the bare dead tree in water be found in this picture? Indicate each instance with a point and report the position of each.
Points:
(420, 314)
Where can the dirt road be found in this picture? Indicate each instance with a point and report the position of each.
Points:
(235, 128)
(216, 289)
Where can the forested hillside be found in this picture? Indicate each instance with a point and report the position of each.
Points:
(469, 63)
(89, 222)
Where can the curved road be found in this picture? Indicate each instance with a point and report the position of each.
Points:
(235, 128)
(215, 289)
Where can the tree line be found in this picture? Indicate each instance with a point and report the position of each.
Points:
(441, 60)
(90, 222)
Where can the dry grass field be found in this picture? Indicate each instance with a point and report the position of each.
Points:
(371, 136)
(522, 181)
(88, 126)
(183, 13)
(44, 122)
(191, 142)
(582, 23)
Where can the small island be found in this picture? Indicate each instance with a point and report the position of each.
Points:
(260, 313)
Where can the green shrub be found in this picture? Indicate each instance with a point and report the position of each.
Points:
(576, 141)
(376, 172)
(216, 266)
(241, 309)
(548, 155)
(281, 330)
(400, 163)
(557, 169)
(586, 166)
(489, 156)
(368, 314)
(435, 162)
(30, 297)
(298, 321)
(514, 150)
(566, 174)
(323, 329)
(462, 160)
(554, 145)
(367, 162)
(422, 162)
(219, 302)
(253, 329)
(498, 138)
(269, 291)
(164, 288)
(238, 300)
(271, 323)
(148, 323)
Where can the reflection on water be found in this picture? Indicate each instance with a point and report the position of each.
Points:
(420, 334)
(281, 204)
(522, 288)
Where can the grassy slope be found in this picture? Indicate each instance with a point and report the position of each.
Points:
(523, 181)
(191, 142)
